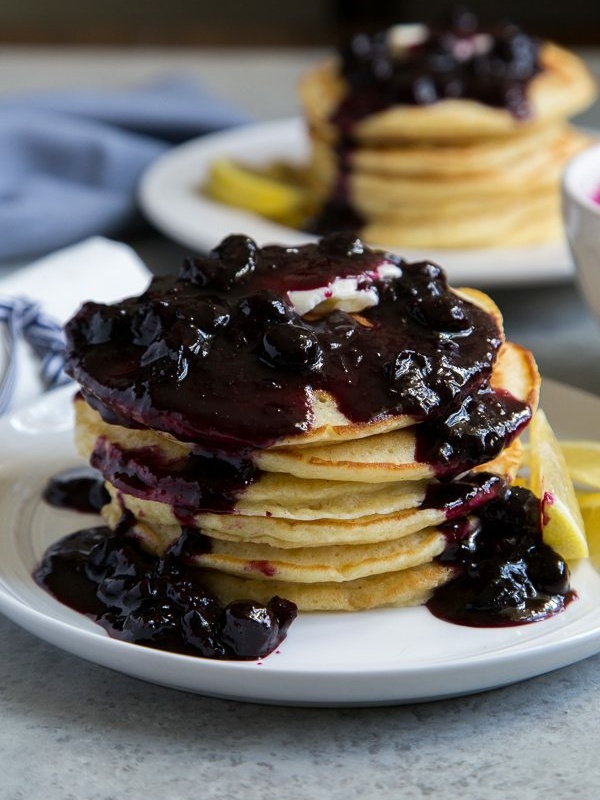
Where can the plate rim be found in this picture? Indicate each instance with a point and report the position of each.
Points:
(162, 195)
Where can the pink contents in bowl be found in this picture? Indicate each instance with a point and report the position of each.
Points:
(596, 196)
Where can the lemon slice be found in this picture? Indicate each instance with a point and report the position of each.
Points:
(236, 185)
(563, 527)
(583, 460)
(589, 505)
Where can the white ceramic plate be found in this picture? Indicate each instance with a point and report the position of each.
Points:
(377, 657)
(170, 195)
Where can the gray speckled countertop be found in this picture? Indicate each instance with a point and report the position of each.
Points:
(70, 730)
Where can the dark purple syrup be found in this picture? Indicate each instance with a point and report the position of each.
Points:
(458, 59)
(191, 485)
(139, 598)
(158, 602)
(465, 495)
(338, 212)
(507, 575)
(477, 430)
(219, 356)
(79, 489)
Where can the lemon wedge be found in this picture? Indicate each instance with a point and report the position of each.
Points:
(236, 185)
(563, 525)
(583, 461)
(589, 505)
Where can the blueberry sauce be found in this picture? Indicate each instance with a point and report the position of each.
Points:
(506, 575)
(457, 59)
(219, 356)
(478, 429)
(465, 495)
(79, 489)
(338, 213)
(158, 602)
(191, 485)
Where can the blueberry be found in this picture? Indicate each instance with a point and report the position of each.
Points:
(341, 244)
(156, 351)
(146, 325)
(123, 593)
(424, 90)
(549, 572)
(263, 309)
(71, 552)
(284, 612)
(342, 325)
(210, 313)
(249, 629)
(461, 20)
(191, 542)
(111, 559)
(291, 347)
(229, 263)
(409, 375)
(188, 597)
(440, 313)
(152, 623)
(201, 633)
(504, 588)
(94, 324)
(424, 278)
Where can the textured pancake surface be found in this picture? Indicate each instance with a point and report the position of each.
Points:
(407, 587)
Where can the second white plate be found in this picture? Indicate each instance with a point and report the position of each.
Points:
(171, 197)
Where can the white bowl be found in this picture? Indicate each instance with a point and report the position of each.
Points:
(581, 214)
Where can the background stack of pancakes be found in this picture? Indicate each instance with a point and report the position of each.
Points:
(344, 515)
(453, 136)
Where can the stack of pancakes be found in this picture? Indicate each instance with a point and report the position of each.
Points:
(342, 516)
(453, 171)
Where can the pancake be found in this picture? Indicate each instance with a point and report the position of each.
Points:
(524, 222)
(410, 175)
(457, 160)
(296, 564)
(536, 173)
(332, 469)
(564, 87)
(408, 587)
(391, 456)
(288, 532)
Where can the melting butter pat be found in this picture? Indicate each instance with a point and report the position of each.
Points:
(353, 293)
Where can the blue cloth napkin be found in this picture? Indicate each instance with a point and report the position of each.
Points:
(70, 160)
(36, 301)
(22, 318)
